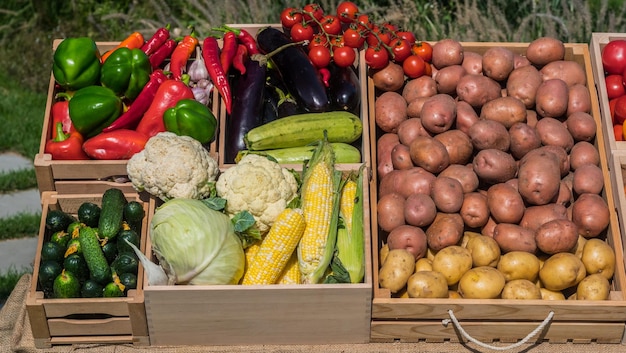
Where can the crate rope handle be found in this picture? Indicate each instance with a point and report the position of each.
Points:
(457, 324)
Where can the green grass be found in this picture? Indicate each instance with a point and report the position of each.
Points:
(22, 179)
(9, 279)
(21, 225)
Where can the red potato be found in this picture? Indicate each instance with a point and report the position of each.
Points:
(498, 62)
(416, 180)
(569, 71)
(583, 153)
(544, 50)
(579, 99)
(448, 77)
(505, 203)
(410, 129)
(438, 113)
(523, 139)
(447, 193)
(391, 182)
(553, 132)
(561, 155)
(559, 235)
(512, 237)
(591, 214)
(477, 89)
(390, 211)
(551, 98)
(539, 177)
(447, 52)
(429, 153)
(535, 216)
(419, 210)
(464, 173)
(389, 78)
(531, 118)
(466, 116)
(588, 178)
(423, 86)
(384, 145)
(506, 110)
(523, 83)
(494, 166)
(472, 62)
(566, 196)
(520, 61)
(489, 228)
(582, 126)
(400, 157)
(390, 110)
(489, 134)
(458, 145)
(475, 210)
(414, 109)
(446, 230)
(410, 238)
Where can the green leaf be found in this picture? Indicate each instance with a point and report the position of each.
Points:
(243, 220)
(338, 273)
(215, 203)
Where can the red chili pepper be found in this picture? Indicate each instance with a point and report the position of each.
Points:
(239, 61)
(181, 55)
(157, 40)
(130, 118)
(229, 50)
(61, 114)
(325, 73)
(67, 146)
(211, 56)
(118, 144)
(168, 94)
(244, 38)
(162, 53)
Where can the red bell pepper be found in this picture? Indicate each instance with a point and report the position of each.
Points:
(61, 114)
(169, 93)
(211, 56)
(67, 146)
(118, 144)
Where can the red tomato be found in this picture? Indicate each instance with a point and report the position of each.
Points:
(614, 86)
(363, 22)
(290, 16)
(401, 49)
(409, 36)
(414, 66)
(424, 50)
(619, 112)
(618, 131)
(331, 24)
(347, 11)
(612, 109)
(337, 41)
(376, 57)
(614, 57)
(320, 56)
(318, 40)
(313, 9)
(301, 31)
(344, 56)
(378, 35)
(353, 38)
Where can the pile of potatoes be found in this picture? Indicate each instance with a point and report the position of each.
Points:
(489, 181)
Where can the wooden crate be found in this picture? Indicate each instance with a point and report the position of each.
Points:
(88, 176)
(500, 320)
(362, 143)
(618, 178)
(85, 320)
(597, 44)
(262, 314)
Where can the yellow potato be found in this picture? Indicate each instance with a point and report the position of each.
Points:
(520, 289)
(452, 261)
(482, 282)
(578, 250)
(598, 257)
(485, 251)
(519, 265)
(547, 294)
(561, 271)
(384, 251)
(396, 270)
(452, 294)
(593, 287)
(427, 284)
(423, 264)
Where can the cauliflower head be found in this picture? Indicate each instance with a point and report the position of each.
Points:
(172, 166)
(259, 186)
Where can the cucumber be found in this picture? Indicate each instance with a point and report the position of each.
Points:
(94, 256)
(303, 129)
(66, 285)
(112, 213)
(344, 153)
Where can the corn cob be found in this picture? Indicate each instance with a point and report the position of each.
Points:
(276, 248)
(249, 253)
(291, 273)
(320, 203)
(350, 241)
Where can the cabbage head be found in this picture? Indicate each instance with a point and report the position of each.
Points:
(196, 244)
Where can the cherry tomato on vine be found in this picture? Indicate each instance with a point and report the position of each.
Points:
(301, 31)
(390, 27)
(353, 38)
(414, 66)
(401, 49)
(337, 41)
(331, 24)
(290, 16)
(378, 35)
(409, 36)
(344, 56)
(376, 57)
(614, 86)
(319, 39)
(312, 9)
(320, 56)
(363, 22)
(347, 11)
(424, 50)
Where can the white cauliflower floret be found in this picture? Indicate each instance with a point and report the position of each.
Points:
(172, 166)
(259, 186)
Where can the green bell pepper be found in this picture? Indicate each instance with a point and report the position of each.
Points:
(93, 108)
(76, 63)
(126, 71)
(191, 118)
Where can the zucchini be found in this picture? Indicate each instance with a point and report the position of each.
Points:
(94, 256)
(112, 213)
(303, 129)
(344, 153)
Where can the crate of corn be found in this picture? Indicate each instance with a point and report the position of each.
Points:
(299, 275)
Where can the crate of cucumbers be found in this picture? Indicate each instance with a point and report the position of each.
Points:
(85, 286)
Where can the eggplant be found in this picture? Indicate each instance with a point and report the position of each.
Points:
(296, 70)
(247, 110)
(344, 89)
